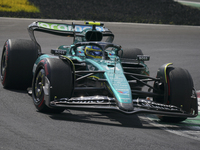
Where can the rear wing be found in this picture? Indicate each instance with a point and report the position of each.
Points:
(63, 29)
(68, 30)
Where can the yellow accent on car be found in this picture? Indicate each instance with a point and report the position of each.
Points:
(90, 48)
(94, 77)
(166, 71)
(94, 23)
(71, 62)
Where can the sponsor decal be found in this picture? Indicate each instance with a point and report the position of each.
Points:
(87, 100)
(108, 68)
(111, 54)
(80, 52)
(91, 67)
(143, 57)
(58, 52)
(126, 92)
(65, 27)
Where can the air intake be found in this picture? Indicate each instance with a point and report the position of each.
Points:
(93, 36)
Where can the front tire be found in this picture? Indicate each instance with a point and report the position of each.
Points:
(180, 85)
(59, 75)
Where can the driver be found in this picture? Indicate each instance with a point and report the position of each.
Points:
(93, 52)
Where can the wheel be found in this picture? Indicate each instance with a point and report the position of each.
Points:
(132, 53)
(59, 75)
(180, 86)
(17, 61)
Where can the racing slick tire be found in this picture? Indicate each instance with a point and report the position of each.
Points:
(132, 53)
(180, 86)
(18, 57)
(59, 75)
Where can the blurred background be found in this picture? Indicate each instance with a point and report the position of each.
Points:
(178, 12)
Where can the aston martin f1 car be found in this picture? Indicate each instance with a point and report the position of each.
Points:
(93, 74)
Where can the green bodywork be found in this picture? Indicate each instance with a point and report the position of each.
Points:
(102, 78)
(117, 83)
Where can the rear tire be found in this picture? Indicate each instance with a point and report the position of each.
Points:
(180, 90)
(60, 77)
(132, 53)
(17, 61)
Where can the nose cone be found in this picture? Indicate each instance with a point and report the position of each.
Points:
(126, 106)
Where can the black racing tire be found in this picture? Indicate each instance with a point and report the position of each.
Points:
(180, 90)
(132, 53)
(59, 74)
(17, 60)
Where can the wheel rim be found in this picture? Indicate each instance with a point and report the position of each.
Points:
(38, 86)
(3, 65)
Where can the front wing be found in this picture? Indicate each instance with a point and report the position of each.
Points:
(104, 103)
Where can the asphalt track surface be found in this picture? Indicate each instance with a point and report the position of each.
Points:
(22, 127)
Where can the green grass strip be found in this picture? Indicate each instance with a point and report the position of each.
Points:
(193, 121)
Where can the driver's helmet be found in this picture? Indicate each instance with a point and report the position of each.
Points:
(93, 52)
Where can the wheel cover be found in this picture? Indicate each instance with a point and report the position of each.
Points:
(38, 87)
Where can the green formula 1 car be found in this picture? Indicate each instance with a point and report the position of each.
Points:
(93, 74)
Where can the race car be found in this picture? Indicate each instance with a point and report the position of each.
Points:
(93, 74)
